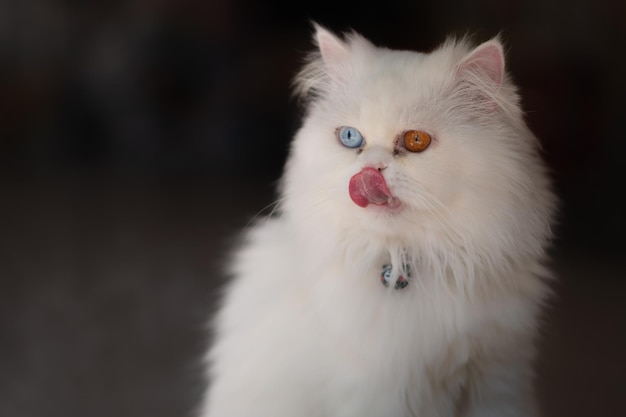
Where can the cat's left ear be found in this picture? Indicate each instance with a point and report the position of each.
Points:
(486, 62)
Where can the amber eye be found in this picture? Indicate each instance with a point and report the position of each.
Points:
(416, 140)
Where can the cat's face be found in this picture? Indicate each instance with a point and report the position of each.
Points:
(401, 145)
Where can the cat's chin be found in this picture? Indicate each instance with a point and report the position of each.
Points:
(392, 206)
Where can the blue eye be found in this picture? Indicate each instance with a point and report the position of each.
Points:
(349, 137)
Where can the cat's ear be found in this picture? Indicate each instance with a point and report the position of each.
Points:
(485, 62)
(336, 62)
(334, 51)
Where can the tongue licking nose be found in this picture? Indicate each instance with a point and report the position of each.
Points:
(369, 187)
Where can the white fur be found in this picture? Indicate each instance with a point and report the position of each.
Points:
(307, 329)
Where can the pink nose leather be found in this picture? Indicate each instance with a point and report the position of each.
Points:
(369, 187)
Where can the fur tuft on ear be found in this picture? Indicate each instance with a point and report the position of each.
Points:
(482, 79)
(485, 61)
(333, 50)
(335, 62)
(323, 64)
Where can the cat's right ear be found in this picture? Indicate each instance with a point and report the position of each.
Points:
(334, 51)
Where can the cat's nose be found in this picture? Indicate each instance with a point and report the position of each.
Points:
(376, 157)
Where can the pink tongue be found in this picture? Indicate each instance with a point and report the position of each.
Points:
(369, 187)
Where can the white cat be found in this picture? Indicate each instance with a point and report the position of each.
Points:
(403, 275)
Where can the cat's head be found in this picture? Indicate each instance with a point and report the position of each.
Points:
(420, 149)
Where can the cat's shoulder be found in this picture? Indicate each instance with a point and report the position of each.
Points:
(261, 267)
(266, 245)
(267, 232)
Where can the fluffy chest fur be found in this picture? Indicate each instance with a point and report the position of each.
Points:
(328, 339)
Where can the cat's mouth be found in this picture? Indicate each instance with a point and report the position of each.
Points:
(369, 187)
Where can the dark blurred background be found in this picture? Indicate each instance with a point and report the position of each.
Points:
(137, 138)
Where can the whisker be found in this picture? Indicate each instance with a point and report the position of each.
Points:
(274, 207)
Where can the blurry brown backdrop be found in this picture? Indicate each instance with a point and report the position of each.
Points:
(138, 137)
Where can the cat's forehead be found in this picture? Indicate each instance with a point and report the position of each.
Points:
(403, 73)
(397, 89)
